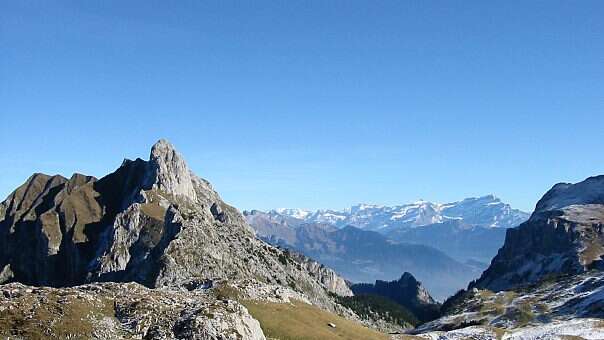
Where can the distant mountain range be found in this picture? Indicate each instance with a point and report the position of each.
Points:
(486, 211)
(472, 229)
(364, 256)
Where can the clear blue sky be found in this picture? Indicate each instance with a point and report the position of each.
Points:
(313, 104)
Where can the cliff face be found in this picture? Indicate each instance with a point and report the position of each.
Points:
(152, 222)
(565, 235)
(326, 276)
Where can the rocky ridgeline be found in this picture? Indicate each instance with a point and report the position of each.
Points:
(151, 222)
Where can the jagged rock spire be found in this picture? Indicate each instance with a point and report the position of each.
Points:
(169, 171)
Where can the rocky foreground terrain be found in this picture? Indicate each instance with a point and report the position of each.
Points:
(121, 311)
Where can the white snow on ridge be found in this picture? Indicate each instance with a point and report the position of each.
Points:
(583, 328)
(561, 195)
(295, 213)
(588, 329)
(486, 211)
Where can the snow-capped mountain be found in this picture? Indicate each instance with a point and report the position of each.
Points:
(470, 229)
(295, 213)
(486, 211)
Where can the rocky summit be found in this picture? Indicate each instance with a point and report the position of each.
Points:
(153, 223)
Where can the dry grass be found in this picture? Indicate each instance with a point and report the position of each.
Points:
(154, 210)
(301, 321)
(62, 317)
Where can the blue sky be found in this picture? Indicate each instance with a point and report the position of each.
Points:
(313, 104)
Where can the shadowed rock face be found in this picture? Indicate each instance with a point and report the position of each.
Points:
(152, 222)
(565, 235)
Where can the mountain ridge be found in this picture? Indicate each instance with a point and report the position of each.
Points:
(486, 211)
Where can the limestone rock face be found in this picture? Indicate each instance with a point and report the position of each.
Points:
(565, 235)
(326, 276)
(169, 172)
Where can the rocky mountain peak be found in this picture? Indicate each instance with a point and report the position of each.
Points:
(408, 278)
(169, 172)
(408, 282)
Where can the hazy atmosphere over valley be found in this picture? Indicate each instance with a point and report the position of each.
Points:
(302, 170)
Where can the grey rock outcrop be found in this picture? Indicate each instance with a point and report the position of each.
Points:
(169, 172)
(121, 311)
(326, 276)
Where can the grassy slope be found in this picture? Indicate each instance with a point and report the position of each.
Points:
(300, 321)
